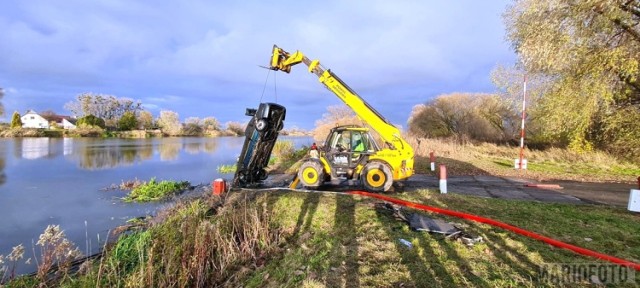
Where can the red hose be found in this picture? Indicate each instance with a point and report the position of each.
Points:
(520, 231)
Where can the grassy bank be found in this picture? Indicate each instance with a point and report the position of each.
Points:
(549, 164)
(295, 239)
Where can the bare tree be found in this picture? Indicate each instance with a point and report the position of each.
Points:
(169, 122)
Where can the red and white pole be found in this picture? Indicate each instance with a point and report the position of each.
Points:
(443, 179)
(524, 101)
(432, 158)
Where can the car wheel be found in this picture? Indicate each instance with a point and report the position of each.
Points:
(261, 125)
(311, 174)
(241, 178)
(262, 174)
(376, 177)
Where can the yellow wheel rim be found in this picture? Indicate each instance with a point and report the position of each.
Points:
(376, 177)
(309, 175)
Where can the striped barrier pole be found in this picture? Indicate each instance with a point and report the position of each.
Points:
(432, 158)
(443, 179)
(524, 101)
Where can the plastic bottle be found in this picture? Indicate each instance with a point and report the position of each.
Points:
(406, 243)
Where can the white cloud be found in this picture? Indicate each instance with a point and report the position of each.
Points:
(203, 49)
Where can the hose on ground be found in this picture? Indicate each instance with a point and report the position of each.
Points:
(476, 218)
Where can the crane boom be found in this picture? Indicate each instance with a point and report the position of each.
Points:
(399, 154)
(283, 61)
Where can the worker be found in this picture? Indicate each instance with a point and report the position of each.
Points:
(357, 145)
(313, 152)
(343, 141)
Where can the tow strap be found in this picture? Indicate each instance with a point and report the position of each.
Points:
(553, 242)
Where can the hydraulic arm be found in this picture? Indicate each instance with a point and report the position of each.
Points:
(397, 153)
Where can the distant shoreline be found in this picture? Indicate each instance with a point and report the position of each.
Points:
(101, 133)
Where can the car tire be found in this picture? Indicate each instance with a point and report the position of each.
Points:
(376, 177)
(261, 125)
(262, 174)
(311, 174)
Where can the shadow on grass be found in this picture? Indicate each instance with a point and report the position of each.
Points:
(308, 208)
(344, 252)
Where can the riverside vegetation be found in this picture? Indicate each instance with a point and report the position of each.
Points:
(294, 239)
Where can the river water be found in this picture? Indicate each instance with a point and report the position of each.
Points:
(62, 181)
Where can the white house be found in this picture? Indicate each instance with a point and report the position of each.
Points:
(31, 119)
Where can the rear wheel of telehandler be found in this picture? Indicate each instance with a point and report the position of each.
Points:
(311, 174)
(376, 177)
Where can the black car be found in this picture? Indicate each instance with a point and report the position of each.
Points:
(261, 135)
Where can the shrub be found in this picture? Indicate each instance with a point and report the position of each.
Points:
(91, 121)
(128, 121)
(16, 122)
(153, 190)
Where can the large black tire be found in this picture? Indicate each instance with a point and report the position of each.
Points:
(311, 174)
(376, 177)
(262, 174)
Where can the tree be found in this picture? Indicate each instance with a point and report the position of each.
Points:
(211, 124)
(90, 121)
(235, 128)
(193, 127)
(590, 50)
(47, 113)
(145, 119)
(108, 107)
(336, 115)
(1, 106)
(169, 122)
(16, 121)
(463, 116)
(127, 121)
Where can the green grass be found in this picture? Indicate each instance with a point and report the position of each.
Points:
(153, 190)
(227, 168)
(296, 239)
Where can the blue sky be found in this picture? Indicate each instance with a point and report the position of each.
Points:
(201, 58)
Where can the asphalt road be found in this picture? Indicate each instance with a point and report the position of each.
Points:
(570, 192)
(613, 194)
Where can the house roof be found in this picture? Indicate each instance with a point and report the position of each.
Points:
(58, 118)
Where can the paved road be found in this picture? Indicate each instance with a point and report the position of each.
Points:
(572, 192)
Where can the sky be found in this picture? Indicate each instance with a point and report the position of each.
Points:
(203, 58)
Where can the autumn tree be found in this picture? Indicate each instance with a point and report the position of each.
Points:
(107, 107)
(16, 121)
(145, 119)
(128, 121)
(590, 50)
(211, 124)
(169, 122)
(462, 116)
(1, 106)
(193, 126)
(336, 115)
(90, 121)
(235, 128)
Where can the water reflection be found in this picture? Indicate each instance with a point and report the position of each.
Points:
(3, 176)
(105, 157)
(169, 149)
(97, 154)
(33, 148)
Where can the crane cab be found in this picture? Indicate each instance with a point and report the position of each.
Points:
(349, 153)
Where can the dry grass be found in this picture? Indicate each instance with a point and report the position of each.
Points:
(549, 164)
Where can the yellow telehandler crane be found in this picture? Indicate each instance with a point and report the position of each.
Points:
(350, 152)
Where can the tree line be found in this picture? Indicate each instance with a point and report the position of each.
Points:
(581, 60)
(108, 112)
